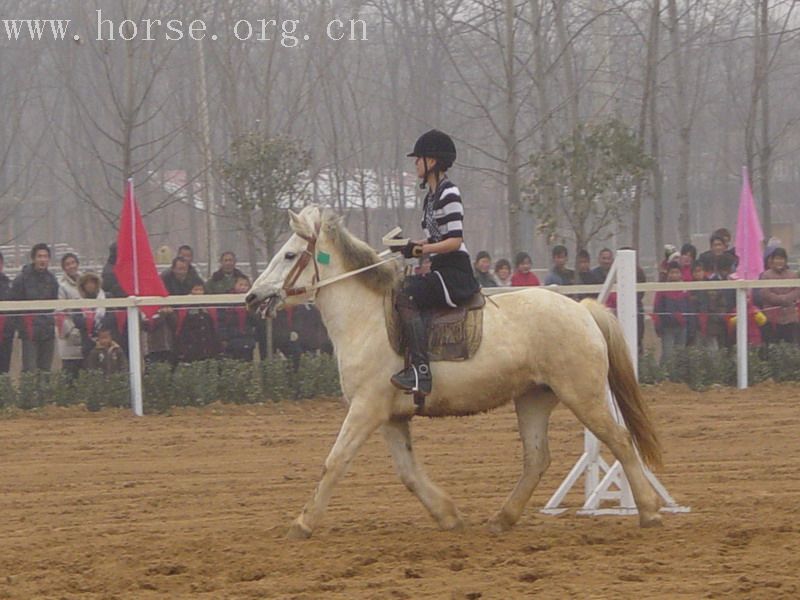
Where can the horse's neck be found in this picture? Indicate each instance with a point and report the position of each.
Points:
(349, 311)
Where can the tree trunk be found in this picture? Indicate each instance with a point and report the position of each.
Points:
(568, 65)
(649, 89)
(252, 253)
(516, 221)
(752, 114)
(765, 154)
(684, 126)
(655, 154)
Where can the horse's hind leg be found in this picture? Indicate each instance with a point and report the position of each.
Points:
(438, 503)
(593, 411)
(533, 415)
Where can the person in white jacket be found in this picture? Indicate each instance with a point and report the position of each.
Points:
(71, 325)
(68, 335)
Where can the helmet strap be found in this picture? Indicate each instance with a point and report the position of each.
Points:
(428, 171)
(424, 181)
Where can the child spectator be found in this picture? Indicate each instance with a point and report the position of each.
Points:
(196, 331)
(670, 310)
(780, 304)
(502, 273)
(237, 327)
(483, 263)
(559, 274)
(670, 254)
(697, 323)
(687, 260)
(721, 303)
(523, 276)
(106, 356)
(89, 320)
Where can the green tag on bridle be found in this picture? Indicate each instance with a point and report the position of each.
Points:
(323, 258)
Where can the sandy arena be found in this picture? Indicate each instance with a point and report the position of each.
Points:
(196, 505)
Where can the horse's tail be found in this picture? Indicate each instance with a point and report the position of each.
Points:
(625, 387)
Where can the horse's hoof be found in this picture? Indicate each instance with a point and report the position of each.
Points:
(298, 531)
(452, 524)
(650, 521)
(498, 524)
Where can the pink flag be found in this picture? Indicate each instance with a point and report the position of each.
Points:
(748, 234)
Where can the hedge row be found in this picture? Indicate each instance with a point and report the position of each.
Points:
(700, 368)
(196, 384)
(230, 381)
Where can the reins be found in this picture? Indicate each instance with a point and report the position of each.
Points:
(308, 255)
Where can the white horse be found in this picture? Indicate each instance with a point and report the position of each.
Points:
(538, 348)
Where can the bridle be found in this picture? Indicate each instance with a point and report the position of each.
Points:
(308, 255)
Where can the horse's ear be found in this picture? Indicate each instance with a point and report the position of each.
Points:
(300, 225)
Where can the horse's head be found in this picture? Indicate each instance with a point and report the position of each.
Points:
(319, 249)
(293, 269)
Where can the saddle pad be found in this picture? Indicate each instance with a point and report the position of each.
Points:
(453, 334)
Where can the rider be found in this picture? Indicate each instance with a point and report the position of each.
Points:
(451, 281)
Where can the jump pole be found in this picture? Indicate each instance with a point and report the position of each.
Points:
(591, 463)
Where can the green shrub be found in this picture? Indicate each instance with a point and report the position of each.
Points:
(8, 393)
(784, 361)
(158, 388)
(276, 380)
(33, 390)
(61, 392)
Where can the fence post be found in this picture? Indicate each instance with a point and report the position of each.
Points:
(627, 309)
(135, 360)
(741, 338)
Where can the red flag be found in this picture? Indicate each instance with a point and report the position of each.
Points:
(135, 268)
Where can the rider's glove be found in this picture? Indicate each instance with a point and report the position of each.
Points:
(412, 250)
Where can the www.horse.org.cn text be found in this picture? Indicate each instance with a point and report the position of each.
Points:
(289, 33)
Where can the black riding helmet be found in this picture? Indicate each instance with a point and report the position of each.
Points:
(435, 144)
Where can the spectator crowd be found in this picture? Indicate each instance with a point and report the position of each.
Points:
(96, 338)
(704, 318)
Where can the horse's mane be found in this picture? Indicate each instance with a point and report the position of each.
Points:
(356, 254)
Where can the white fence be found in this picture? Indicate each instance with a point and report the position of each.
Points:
(133, 304)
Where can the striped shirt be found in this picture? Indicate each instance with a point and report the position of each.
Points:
(443, 214)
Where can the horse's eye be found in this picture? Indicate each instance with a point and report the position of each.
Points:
(290, 255)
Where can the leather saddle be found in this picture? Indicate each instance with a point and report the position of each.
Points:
(453, 333)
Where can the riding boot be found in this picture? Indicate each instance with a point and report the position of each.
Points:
(417, 377)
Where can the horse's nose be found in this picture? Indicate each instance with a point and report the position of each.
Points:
(250, 298)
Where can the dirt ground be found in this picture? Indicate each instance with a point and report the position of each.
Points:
(196, 505)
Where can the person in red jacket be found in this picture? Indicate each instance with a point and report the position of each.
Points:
(522, 271)
(669, 315)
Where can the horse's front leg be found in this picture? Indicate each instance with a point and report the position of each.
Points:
(438, 503)
(361, 420)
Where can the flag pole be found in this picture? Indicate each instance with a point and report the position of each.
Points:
(134, 331)
(133, 238)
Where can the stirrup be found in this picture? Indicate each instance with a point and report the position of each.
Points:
(421, 374)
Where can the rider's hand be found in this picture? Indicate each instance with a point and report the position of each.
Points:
(412, 250)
